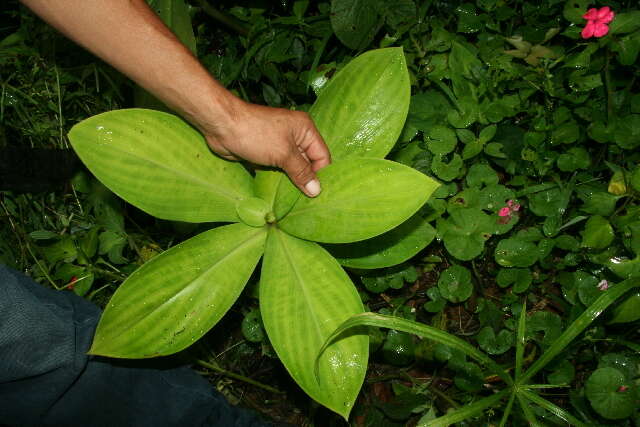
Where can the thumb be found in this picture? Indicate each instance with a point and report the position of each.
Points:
(298, 168)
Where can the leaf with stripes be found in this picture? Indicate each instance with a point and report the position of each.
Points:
(160, 164)
(176, 297)
(391, 248)
(362, 110)
(361, 198)
(304, 296)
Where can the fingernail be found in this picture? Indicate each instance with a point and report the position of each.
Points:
(312, 188)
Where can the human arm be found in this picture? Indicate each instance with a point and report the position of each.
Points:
(129, 35)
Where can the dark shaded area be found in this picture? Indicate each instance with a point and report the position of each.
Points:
(35, 169)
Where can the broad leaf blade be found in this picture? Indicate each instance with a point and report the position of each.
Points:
(391, 248)
(175, 298)
(304, 296)
(160, 164)
(361, 111)
(266, 185)
(361, 198)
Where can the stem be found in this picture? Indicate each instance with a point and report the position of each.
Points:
(225, 20)
(237, 376)
(107, 273)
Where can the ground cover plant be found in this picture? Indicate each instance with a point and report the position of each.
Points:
(523, 308)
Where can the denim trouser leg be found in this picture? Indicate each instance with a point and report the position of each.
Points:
(47, 379)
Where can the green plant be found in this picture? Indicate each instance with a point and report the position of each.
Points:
(612, 393)
(160, 164)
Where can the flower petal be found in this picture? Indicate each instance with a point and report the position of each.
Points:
(504, 211)
(588, 30)
(600, 30)
(591, 14)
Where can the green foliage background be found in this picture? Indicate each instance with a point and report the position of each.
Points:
(508, 103)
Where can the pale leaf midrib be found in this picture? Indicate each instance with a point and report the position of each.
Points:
(300, 280)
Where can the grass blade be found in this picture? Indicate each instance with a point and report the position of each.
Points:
(468, 411)
(555, 410)
(526, 410)
(425, 331)
(507, 410)
(579, 325)
(520, 340)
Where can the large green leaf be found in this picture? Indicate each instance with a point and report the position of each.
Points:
(304, 296)
(361, 111)
(385, 250)
(160, 164)
(266, 185)
(361, 198)
(175, 298)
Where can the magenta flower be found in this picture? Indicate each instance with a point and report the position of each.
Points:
(507, 211)
(597, 22)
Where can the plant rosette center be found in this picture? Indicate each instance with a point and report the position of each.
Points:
(254, 212)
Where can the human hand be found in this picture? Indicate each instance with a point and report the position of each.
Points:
(272, 137)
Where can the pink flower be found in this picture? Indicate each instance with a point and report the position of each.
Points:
(603, 285)
(597, 20)
(622, 389)
(507, 211)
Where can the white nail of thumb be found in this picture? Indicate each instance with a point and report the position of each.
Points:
(312, 188)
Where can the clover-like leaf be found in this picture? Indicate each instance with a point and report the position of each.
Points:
(304, 296)
(610, 394)
(160, 164)
(598, 233)
(391, 248)
(627, 311)
(361, 198)
(455, 284)
(514, 252)
(495, 344)
(465, 232)
(177, 296)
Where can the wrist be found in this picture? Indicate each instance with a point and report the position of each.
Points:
(215, 110)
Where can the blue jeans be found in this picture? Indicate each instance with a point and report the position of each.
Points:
(46, 378)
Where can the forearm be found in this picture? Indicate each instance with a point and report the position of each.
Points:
(130, 36)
